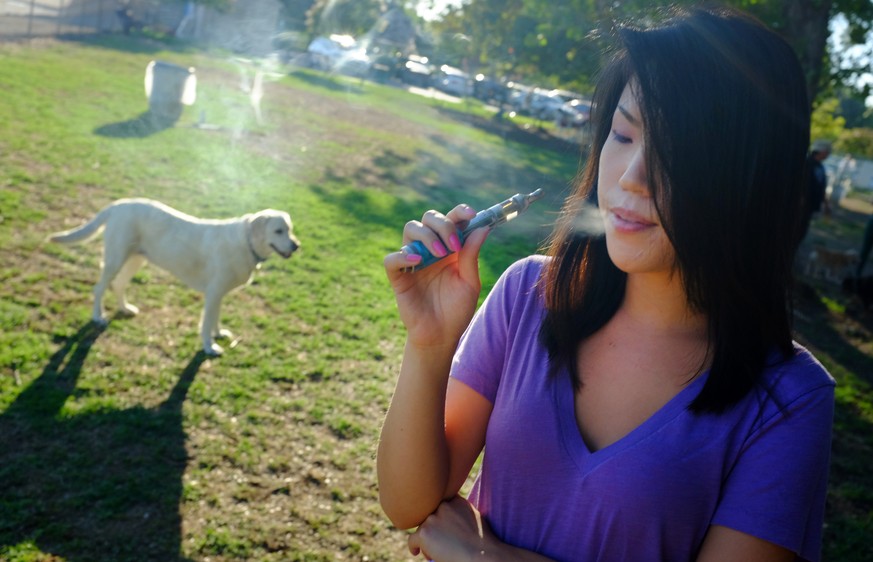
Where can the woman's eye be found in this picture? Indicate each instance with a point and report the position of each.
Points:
(618, 137)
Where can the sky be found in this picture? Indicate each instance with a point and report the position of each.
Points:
(426, 12)
(838, 26)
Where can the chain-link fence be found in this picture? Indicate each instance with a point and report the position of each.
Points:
(248, 27)
(45, 18)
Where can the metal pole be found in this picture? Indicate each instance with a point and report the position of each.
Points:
(59, 16)
(30, 19)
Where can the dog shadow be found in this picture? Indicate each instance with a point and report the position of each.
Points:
(92, 486)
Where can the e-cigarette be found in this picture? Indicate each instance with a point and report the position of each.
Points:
(492, 216)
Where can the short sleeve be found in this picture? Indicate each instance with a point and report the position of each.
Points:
(482, 352)
(776, 490)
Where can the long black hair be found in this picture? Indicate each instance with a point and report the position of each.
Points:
(726, 119)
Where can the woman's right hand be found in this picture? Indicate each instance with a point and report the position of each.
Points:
(436, 303)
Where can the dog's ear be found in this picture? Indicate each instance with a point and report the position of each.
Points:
(258, 229)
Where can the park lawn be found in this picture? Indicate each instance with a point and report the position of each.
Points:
(128, 444)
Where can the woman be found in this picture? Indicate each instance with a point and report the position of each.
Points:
(636, 391)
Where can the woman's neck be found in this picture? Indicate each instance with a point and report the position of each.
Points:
(658, 302)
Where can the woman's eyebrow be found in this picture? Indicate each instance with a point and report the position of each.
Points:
(631, 119)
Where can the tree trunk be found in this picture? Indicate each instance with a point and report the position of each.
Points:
(806, 28)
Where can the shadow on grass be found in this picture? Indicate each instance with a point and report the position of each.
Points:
(97, 485)
(144, 125)
(850, 496)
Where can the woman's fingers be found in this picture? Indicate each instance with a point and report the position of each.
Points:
(468, 260)
(399, 261)
(461, 214)
(438, 232)
(427, 231)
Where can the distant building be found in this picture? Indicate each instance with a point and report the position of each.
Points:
(394, 32)
(248, 27)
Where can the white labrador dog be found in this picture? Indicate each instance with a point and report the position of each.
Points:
(210, 256)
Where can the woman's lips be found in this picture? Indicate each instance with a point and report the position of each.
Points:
(626, 220)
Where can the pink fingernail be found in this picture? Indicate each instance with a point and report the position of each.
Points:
(455, 243)
(412, 258)
(439, 250)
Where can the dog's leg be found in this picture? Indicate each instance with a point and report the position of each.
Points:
(222, 333)
(116, 251)
(209, 323)
(111, 266)
(119, 284)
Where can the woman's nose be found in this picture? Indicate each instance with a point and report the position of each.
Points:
(635, 177)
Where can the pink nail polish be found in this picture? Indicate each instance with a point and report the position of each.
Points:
(439, 250)
(455, 243)
(412, 258)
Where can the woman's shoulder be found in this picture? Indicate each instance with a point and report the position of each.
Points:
(798, 375)
(519, 285)
(527, 267)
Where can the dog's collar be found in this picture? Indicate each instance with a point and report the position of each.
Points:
(258, 259)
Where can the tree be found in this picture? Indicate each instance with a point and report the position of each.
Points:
(825, 123)
(857, 142)
(561, 39)
(294, 13)
(353, 17)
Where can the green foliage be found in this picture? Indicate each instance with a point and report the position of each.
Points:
(355, 17)
(857, 142)
(560, 42)
(825, 123)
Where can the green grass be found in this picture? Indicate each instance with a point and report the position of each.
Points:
(128, 444)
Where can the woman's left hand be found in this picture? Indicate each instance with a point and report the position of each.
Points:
(455, 531)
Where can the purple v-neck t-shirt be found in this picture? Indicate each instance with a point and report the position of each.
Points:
(760, 467)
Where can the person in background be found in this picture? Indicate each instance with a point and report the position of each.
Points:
(636, 393)
(816, 184)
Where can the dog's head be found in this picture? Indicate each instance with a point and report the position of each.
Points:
(273, 231)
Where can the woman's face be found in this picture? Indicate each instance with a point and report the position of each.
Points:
(634, 237)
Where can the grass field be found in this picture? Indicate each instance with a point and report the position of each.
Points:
(128, 444)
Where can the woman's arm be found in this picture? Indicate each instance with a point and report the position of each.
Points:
(456, 531)
(415, 460)
(723, 544)
(423, 460)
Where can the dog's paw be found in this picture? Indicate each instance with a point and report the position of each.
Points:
(213, 350)
(223, 334)
(128, 310)
(100, 321)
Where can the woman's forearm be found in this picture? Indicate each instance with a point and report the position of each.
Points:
(413, 458)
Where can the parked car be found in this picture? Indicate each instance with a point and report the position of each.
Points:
(338, 53)
(566, 95)
(544, 105)
(489, 89)
(518, 95)
(574, 113)
(453, 81)
(416, 72)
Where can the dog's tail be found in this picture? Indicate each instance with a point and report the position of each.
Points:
(85, 232)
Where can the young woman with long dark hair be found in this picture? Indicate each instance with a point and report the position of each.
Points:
(636, 391)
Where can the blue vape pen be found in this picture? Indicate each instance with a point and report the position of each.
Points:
(492, 216)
